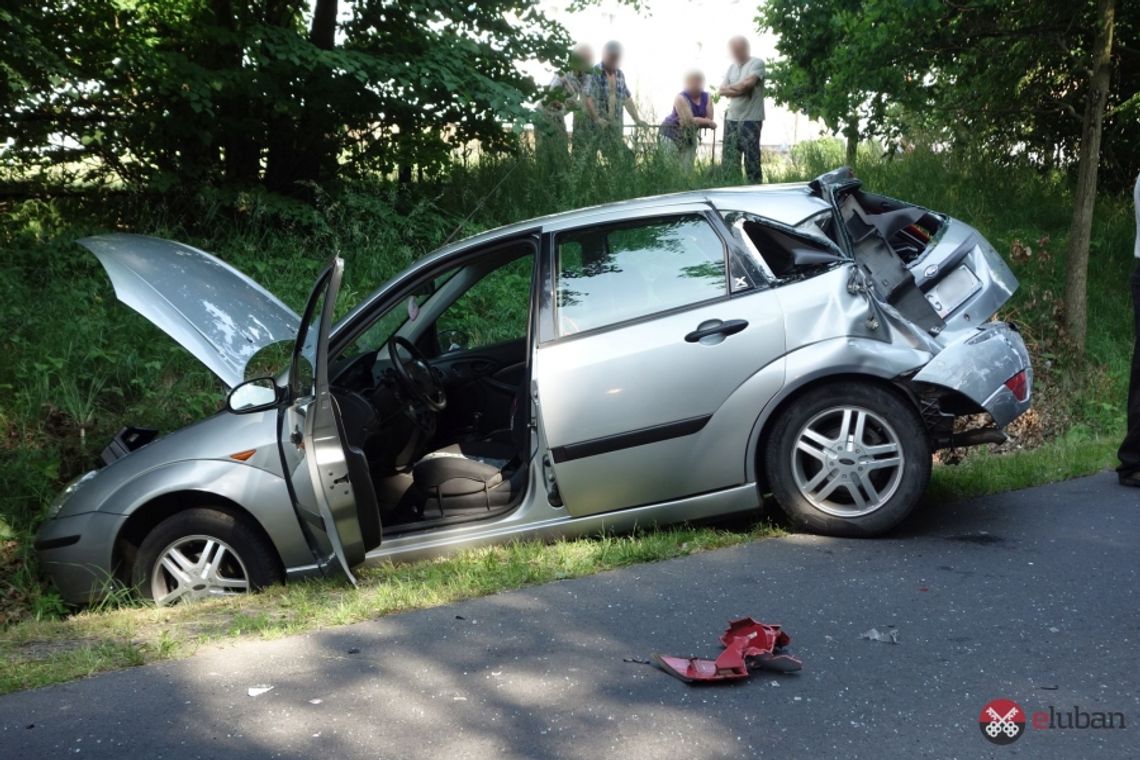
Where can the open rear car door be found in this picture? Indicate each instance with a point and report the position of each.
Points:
(329, 482)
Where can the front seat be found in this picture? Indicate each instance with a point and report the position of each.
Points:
(483, 474)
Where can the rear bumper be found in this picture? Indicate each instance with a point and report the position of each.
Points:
(76, 552)
(978, 366)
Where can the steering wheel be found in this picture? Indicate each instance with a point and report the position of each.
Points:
(415, 375)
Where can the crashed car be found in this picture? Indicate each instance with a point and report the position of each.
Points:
(644, 362)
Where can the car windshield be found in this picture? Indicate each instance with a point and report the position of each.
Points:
(377, 335)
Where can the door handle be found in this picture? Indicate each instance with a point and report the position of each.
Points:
(716, 327)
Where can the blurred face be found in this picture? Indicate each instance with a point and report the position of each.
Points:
(611, 58)
(738, 47)
(583, 58)
(694, 83)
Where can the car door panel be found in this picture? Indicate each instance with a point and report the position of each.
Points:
(328, 480)
(641, 405)
(634, 412)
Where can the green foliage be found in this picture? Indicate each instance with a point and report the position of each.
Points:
(1006, 77)
(496, 309)
(181, 94)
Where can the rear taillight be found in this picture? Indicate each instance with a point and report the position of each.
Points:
(1019, 385)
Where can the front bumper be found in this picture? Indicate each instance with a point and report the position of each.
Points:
(77, 553)
(978, 366)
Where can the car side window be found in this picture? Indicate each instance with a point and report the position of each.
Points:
(787, 254)
(493, 310)
(611, 274)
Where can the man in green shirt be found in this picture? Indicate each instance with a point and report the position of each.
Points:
(565, 95)
(744, 87)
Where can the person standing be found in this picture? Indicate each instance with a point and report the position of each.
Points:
(1129, 453)
(608, 97)
(744, 87)
(566, 95)
(692, 112)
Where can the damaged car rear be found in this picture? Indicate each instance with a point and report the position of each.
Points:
(646, 362)
(913, 303)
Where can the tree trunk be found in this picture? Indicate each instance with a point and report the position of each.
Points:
(239, 134)
(280, 127)
(1077, 253)
(322, 33)
(316, 150)
(302, 153)
(852, 133)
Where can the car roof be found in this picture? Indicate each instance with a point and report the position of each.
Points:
(788, 204)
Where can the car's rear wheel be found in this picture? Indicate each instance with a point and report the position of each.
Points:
(848, 460)
(203, 553)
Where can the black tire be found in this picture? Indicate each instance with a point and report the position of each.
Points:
(858, 473)
(256, 558)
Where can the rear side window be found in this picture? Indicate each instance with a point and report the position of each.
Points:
(612, 274)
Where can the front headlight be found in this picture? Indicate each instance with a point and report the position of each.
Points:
(67, 493)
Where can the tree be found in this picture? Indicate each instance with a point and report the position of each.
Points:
(1004, 76)
(289, 94)
(1012, 80)
(1077, 254)
(814, 74)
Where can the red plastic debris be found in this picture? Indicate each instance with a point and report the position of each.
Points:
(747, 644)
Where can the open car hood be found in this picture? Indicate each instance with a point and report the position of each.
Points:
(214, 311)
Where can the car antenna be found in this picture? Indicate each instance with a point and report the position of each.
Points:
(479, 205)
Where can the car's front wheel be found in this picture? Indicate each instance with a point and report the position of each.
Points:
(203, 553)
(848, 460)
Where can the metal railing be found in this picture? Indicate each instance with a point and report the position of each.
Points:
(636, 135)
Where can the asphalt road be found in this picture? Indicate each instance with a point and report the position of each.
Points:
(1030, 596)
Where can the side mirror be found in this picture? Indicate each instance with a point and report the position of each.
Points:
(453, 340)
(254, 395)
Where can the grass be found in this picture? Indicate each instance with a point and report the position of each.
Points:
(983, 473)
(38, 653)
(78, 365)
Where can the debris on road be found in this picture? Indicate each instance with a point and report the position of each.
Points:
(889, 636)
(257, 691)
(747, 644)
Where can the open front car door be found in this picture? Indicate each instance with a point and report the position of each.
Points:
(329, 482)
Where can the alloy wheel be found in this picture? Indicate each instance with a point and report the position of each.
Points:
(197, 567)
(847, 461)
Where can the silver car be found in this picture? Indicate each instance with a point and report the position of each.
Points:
(645, 362)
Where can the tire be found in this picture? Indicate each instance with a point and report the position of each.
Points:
(840, 485)
(246, 561)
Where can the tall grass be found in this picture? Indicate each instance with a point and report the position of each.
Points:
(77, 365)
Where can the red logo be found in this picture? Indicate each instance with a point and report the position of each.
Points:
(1002, 721)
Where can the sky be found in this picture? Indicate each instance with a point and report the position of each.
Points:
(671, 38)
